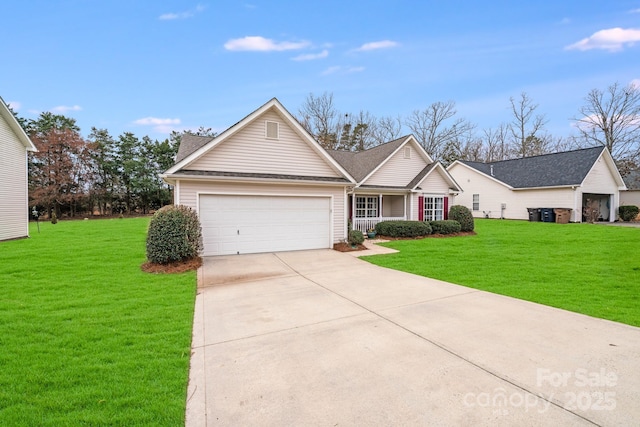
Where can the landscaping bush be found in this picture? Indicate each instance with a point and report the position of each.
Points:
(403, 228)
(174, 235)
(628, 212)
(463, 215)
(356, 237)
(447, 226)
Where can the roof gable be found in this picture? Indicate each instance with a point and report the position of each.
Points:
(434, 168)
(6, 114)
(363, 165)
(245, 148)
(550, 170)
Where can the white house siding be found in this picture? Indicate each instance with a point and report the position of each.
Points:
(631, 197)
(188, 195)
(13, 185)
(249, 151)
(493, 194)
(398, 171)
(435, 183)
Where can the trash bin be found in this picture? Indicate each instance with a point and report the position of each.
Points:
(534, 214)
(562, 215)
(547, 215)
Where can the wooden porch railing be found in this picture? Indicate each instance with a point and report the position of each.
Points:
(364, 224)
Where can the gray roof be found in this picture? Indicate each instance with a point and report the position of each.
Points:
(190, 144)
(362, 163)
(188, 172)
(632, 180)
(549, 170)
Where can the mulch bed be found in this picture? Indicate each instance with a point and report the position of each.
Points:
(346, 247)
(173, 267)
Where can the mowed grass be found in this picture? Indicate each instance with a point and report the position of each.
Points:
(586, 268)
(86, 337)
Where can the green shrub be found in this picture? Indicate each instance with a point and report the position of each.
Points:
(463, 215)
(403, 228)
(174, 235)
(356, 237)
(54, 218)
(628, 212)
(446, 226)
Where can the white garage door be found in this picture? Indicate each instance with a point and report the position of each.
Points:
(236, 224)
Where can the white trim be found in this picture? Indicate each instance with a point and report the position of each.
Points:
(275, 104)
(268, 194)
(408, 139)
(613, 169)
(15, 127)
(266, 130)
(256, 180)
(176, 192)
(446, 175)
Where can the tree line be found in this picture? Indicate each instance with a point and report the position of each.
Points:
(609, 117)
(70, 175)
(107, 175)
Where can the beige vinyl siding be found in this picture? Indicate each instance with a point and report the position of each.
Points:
(599, 180)
(398, 171)
(249, 151)
(189, 190)
(14, 220)
(631, 197)
(434, 183)
(493, 195)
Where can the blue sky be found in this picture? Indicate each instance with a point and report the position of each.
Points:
(151, 66)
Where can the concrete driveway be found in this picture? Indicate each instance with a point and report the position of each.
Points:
(323, 338)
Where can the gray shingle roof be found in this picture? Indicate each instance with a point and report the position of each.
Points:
(549, 170)
(189, 144)
(360, 164)
(632, 180)
(188, 172)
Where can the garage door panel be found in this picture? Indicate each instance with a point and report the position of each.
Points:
(251, 224)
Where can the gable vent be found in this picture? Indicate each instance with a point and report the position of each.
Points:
(407, 152)
(272, 130)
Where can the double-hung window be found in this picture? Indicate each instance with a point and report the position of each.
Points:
(366, 206)
(433, 208)
(476, 202)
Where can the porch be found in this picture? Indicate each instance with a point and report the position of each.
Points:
(367, 210)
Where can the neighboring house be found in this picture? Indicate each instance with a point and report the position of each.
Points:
(14, 195)
(506, 189)
(631, 196)
(266, 185)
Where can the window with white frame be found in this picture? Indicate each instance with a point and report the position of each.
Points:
(433, 208)
(366, 207)
(476, 202)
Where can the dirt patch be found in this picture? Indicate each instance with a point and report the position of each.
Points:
(173, 267)
(346, 247)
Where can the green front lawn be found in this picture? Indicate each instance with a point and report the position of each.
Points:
(86, 337)
(586, 268)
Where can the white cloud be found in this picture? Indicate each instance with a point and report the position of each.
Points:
(342, 70)
(383, 44)
(635, 10)
(158, 124)
(635, 83)
(65, 108)
(311, 56)
(15, 105)
(564, 21)
(182, 15)
(261, 44)
(612, 39)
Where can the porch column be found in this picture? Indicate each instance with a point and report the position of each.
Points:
(379, 207)
(404, 207)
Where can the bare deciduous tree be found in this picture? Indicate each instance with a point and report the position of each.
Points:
(320, 118)
(387, 129)
(431, 130)
(612, 118)
(526, 127)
